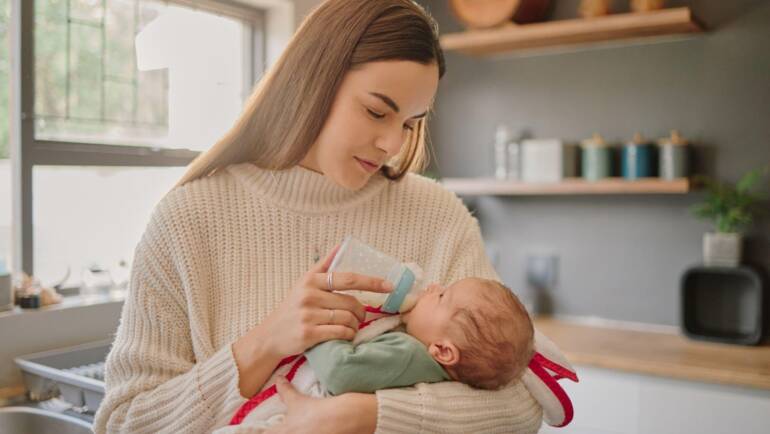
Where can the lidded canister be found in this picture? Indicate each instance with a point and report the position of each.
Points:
(674, 157)
(595, 158)
(637, 160)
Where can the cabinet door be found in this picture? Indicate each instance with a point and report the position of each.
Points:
(680, 407)
(605, 402)
(611, 402)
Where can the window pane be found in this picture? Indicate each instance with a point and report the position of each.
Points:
(84, 72)
(86, 10)
(5, 67)
(86, 216)
(51, 64)
(138, 72)
(5, 167)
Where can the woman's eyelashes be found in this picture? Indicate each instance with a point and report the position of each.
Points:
(374, 114)
(379, 116)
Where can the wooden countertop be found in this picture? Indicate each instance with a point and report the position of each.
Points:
(660, 353)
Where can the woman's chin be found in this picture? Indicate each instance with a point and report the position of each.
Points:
(356, 186)
(353, 181)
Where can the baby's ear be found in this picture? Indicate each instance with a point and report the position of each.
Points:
(444, 352)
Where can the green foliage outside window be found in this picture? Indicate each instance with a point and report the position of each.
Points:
(105, 88)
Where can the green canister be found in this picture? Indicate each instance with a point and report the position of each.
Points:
(595, 158)
(674, 157)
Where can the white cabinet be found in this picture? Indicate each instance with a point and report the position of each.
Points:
(612, 402)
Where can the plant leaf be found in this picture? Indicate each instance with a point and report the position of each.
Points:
(748, 180)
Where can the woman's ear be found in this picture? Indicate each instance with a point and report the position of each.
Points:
(444, 352)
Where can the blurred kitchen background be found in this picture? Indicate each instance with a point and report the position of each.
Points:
(666, 324)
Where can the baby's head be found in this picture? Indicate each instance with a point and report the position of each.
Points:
(477, 329)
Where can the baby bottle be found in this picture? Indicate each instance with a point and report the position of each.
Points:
(357, 257)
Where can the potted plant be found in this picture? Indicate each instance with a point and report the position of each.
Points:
(732, 209)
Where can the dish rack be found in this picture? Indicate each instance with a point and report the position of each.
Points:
(74, 374)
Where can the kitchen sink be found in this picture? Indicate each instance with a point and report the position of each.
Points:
(26, 420)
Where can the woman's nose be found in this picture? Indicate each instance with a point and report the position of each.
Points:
(391, 141)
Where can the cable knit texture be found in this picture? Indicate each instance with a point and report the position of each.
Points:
(221, 252)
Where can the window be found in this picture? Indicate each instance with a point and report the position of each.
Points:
(125, 94)
(96, 220)
(5, 165)
(182, 89)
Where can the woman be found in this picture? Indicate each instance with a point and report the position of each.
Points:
(228, 280)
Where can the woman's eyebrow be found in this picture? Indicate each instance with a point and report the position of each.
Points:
(392, 104)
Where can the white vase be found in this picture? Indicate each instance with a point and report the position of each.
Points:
(722, 249)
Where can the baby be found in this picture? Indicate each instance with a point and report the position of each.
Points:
(475, 331)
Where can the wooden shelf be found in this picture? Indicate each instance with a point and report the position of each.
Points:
(573, 32)
(488, 186)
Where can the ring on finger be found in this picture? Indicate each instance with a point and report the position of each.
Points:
(331, 316)
(329, 279)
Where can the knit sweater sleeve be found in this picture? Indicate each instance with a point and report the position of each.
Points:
(452, 407)
(154, 382)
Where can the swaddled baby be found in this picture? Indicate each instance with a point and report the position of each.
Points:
(474, 331)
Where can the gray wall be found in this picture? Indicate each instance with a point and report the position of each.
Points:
(620, 257)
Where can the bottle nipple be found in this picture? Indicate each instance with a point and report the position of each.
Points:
(410, 301)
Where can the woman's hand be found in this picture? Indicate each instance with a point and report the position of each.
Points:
(353, 413)
(311, 313)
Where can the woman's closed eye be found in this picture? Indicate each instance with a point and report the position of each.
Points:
(378, 116)
(375, 114)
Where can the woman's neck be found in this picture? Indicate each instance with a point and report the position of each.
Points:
(303, 189)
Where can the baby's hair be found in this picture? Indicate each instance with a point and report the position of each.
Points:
(496, 338)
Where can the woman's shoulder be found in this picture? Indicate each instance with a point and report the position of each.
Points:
(183, 207)
(417, 185)
(429, 193)
(202, 192)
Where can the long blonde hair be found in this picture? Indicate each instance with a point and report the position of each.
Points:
(285, 113)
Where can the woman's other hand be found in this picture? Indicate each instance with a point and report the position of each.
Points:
(351, 413)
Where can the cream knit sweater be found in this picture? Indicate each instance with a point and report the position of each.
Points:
(221, 252)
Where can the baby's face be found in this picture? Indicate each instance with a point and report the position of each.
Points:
(431, 316)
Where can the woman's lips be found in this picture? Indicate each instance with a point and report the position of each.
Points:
(369, 167)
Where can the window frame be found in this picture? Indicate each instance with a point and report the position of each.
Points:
(26, 151)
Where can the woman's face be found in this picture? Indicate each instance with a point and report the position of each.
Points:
(372, 113)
